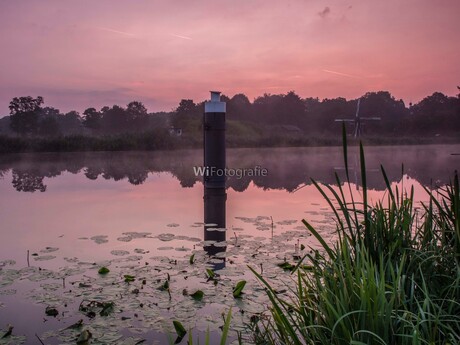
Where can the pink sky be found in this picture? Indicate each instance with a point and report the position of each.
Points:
(78, 54)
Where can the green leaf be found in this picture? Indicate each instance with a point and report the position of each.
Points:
(238, 289)
(286, 266)
(302, 247)
(103, 270)
(197, 295)
(210, 273)
(107, 308)
(180, 330)
(192, 259)
(223, 339)
(129, 278)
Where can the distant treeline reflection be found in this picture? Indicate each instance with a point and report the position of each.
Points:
(288, 168)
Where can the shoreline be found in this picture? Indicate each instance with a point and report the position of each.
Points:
(150, 142)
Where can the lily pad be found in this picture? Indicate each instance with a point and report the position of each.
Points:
(119, 252)
(51, 311)
(49, 250)
(44, 257)
(197, 295)
(103, 270)
(100, 239)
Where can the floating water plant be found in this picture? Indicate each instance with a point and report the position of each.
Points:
(238, 289)
(51, 311)
(129, 278)
(103, 270)
(197, 295)
(180, 330)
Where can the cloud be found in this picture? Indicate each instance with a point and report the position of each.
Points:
(181, 36)
(324, 13)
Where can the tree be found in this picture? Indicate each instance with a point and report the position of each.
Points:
(290, 109)
(92, 119)
(264, 108)
(25, 113)
(382, 104)
(49, 112)
(239, 108)
(329, 110)
(437, 114)
(70, 123)
(48, 127)
(137, 116)
(187, 116)
(48, 122)
(114, 120)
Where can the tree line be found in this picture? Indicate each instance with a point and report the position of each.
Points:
(435, 115)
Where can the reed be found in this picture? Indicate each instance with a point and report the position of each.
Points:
(392, 277)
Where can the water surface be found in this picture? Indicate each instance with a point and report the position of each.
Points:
(141, 213)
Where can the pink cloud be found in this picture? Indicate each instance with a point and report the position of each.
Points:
(182, 50)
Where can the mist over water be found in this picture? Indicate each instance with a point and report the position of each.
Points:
(73, 211)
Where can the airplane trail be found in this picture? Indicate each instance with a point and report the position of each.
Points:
(183, 37)
(340, 73)
(116, 31)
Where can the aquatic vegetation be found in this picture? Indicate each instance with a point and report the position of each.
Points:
(238, 289)
(392, 277)
(140, 295)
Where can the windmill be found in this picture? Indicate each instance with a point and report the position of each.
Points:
(358, 121)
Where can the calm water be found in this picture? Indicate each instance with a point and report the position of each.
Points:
(142, 214)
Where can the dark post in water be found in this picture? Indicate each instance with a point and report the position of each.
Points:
(215, 195)
(214, 142)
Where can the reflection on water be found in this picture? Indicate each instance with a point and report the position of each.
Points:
(288, 168)
(152, 225)
(214, 201)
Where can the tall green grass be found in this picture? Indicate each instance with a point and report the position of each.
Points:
(389, 279)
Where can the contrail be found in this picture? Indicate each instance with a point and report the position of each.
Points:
(340, 73)
(116, 31)
(180, 36)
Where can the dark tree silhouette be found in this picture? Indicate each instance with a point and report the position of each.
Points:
(239, 108)
(437, 114)
(187, 116)
(48, 127)
(25, 113)
(290, 109)
(114, 120)
(92, 119)
(137, 116)
(382, 104)
(70, 123)
(264, 108)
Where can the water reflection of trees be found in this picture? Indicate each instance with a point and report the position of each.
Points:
(288, 168)
(28, 181)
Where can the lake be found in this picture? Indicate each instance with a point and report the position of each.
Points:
(140, 214)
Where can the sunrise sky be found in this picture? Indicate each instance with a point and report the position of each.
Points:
(78, 54)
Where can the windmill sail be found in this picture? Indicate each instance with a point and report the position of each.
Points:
(357, 132)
